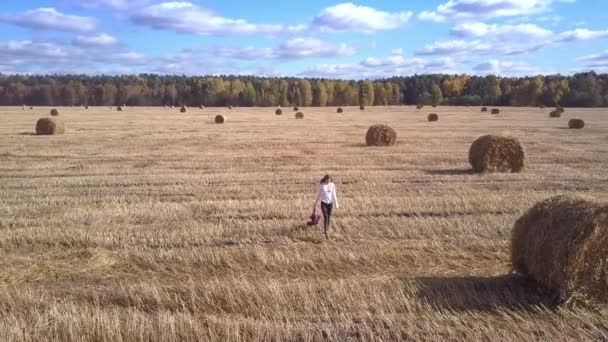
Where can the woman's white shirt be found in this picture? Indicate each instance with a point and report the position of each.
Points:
(327, 193)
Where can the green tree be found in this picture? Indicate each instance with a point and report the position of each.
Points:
(436, 95)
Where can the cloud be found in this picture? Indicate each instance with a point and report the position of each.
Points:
(459, 10)
(185, 17)
(496, 67)
(597, 62)
(392, 61)
(451, 47)
(118, 5)
(49, 19)
(291, 49)
(501, 32)
(582, 35)
(351, 17)
(100, 40)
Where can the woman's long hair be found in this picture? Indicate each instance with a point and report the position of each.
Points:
(325, 179)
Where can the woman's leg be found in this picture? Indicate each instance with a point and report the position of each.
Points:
(326, 212)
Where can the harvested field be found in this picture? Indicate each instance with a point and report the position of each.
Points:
(151, 225)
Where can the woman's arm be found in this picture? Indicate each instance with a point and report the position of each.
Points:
(335, 195)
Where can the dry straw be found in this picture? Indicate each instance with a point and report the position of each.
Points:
(119, 108)
(433, 117)
(380, 135)
(491, 153)
(576, 124)
(562, 243)
(50, 126)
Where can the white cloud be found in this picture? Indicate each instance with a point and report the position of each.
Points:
(459, 10)
(451, 47)
(291, 49)
(118, 5)
(392, 61)
(582, 34)
(100, 40)
(185, 17)
(501, 32)
(496, 67)
(49, 19)
(351, 17)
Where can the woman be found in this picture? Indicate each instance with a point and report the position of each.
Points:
(326, 194)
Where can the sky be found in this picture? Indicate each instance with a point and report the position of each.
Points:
(314, 38)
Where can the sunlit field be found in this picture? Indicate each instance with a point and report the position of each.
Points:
(155, 225)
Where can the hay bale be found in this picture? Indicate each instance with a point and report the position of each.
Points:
(542, 107)
(562, 243)
(433, 117)
(229, 107)
(279, 111)
(484, 109)
(54, 112)
(295, 109)
(492, 153)
(339, 110)
(380, 135)
(31, 107)
(86, 107)
(119, 108)
(219, 119)
(419, 106)
(555, 114)
(576, 124)
(50, 126)
(434, 106)
(362, 107)
(183, 109)
(495, 111)
(299, 115)
(201, 107)
(560, 109)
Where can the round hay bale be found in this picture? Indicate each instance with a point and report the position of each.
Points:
(433, 117)
(50, 126)
(339, 110)
(380, 135)
(86, 107)
(434, 106)
(495, 111)
(295, 109)
(229, 107)
(555, 114)
(219, 119)
(31, 107)
(201, 107)
(362, 107)
(492, 153)
(183, 109)
(279, 111)
(576, 124)
(562, 243)
(560, 109)
(419, 106)
(484, 109)
(299, 115)
(119, 108)
(54, 112)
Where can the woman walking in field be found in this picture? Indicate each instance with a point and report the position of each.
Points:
(326, 194)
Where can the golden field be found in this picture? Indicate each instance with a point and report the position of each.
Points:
(155, 225)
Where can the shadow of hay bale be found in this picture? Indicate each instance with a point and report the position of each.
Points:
(451, 172)
(509, 292)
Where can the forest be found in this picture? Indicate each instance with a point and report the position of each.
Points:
(578, 90)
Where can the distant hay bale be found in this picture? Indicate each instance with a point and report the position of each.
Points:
(50, 126)
(119, 108)
(380, 135)
(560, 109)
(419, 106)
(362, 107)
(86, 107)
(339, 110)
(484, 109)
(434, 106)
(219, 119)
(295, 109)
(299, 115)
(279, 111)
(31, 107)
(229, 107)
(433, 117)
(54, 112)
(562, 243)
(555, 114)
(183, 109)
(495, 111)
(576, 124)
(201, 107)
(491, 153)
(542, 107)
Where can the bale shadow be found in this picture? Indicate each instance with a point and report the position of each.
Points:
(492, 294)
(451, 172)
(27, 133)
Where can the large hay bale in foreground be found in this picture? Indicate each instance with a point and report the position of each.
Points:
(492, 153)
(340, 110)
(183, 109)
(562, 243)
(299, 115)
(555, 114)
(576, 124)
(484, 109)
(433, 117)
(50, 126)
(220, 119)
(495, 111)
(54, 112)
(279, 111)
(380, 135)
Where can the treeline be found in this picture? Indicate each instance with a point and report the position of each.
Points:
(579, 90)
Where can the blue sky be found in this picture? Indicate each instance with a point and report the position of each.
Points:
(315, 38)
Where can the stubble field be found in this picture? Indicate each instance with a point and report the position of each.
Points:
(155, 225)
